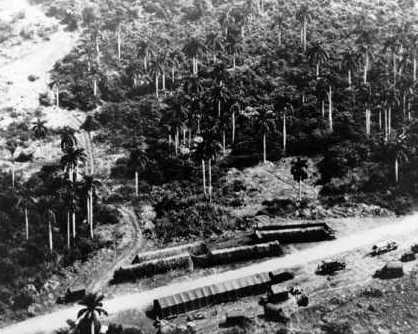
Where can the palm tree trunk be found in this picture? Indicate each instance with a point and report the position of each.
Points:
(349, 79)
(88, 209)
(396, 170)
(13, 175)
(223, 142)
(323, 108)
(92, 327)
(386, 124)
(414, 69)
(91, 213)
(119, 44)
(190, 138)
(317, 71)
(368, 112)
(176, 139)
(172, 75)
(300, 189)
(234, 65)
(204, 177)
(219, 108)
(380, 120)
(97, 52)
(280, 37)
(394, 67)
(74, 227)
(304, 34)
(136, 184)
(330, 109)
(51, 246)
(210, 179)
(389, 121)
(264, 148)
(156, 85)
(233, 127)
(57, 96)
(184, 136)
(284, 134)
(94, 87)
(366, 67)
(68, 230)
(26, 224)
(163, 80)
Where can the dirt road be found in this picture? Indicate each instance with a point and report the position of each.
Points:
(403, 229)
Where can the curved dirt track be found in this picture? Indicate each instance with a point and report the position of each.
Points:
(402, 230)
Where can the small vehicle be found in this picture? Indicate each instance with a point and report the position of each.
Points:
(383, 247)
(392, 269)
(408, 256)
(329, 267)
(72, 295)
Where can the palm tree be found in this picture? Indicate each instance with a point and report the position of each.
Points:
(215, 44)
(44, 205)
(71, 160)
(207, 149)
(317, 55)
(303, 15)
(90, 124)
(219, 95)
(145, 51)
(155, 72)
(89, 186)
(397, 150)
(138, 161)
(193, 49)
(365, 41)
(39, 130)
(88, 316)
(68, 138)
(299, 171)
(265, 124)
(287, 108)
(279, 23)
(349, 63)
(25, 202)
(233, 47)
(175, 57)
(11, 146)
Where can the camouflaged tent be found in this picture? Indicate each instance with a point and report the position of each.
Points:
(211, 294)
(291, 235)
(153, 267)
(236, 254)
(192, 248)
(263, 225)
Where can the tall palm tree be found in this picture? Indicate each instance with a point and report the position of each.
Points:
(11, 146)
(303, 15)
(215, 44)
(299, 171)
(317, 55)
(265, 124)
(90, 124)
(146, 50)
(44, 206)
(155, 72)
(68, 138)
(88, 316)
(397, 150)
(365, 41)
(193, 49)
(207, 150)
(25, 202)
(39, 130)
(138, 161)
(71, 161)
(349, 63)
(89, 186)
